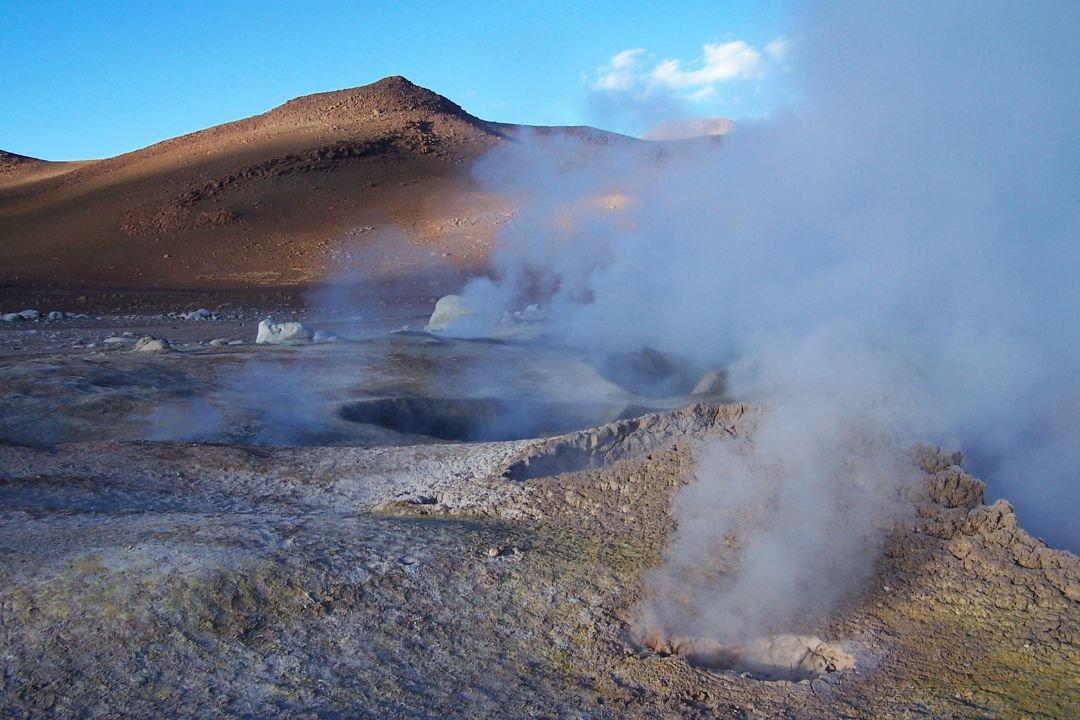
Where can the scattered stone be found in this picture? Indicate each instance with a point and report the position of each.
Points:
(115, 340)
(200, 314)
(218, 342)
(30, 314)
(286, 333)
(11, 317)
(56, 315)
(448, 309)
(149, 343)
(236, 342)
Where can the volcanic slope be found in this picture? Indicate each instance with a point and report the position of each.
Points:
(372, 177)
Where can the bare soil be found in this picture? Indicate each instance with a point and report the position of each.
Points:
(368, 572)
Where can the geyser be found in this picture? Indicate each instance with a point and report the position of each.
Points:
(485, 419)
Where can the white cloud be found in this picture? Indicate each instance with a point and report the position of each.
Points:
(621, 72)
(720, 62)
(777, 50)
(627, 59)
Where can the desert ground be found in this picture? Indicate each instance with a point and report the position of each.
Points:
(394, 522)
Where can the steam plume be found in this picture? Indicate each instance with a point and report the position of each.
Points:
(892, 261)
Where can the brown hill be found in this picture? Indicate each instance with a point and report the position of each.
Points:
(11, 163)
(373, 179)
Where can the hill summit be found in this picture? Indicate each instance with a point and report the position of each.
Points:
(394, 94)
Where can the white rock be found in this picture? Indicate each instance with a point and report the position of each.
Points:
(115, 340)
(200, 314)
(236, 342)
(218, 342)
(56, 315)
(30, 314)
(448, 309)
(152, 344)
(11, 317)
(286, 333)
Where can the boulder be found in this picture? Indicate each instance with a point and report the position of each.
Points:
(148, 343)
(286, 333)
(11, 317)
(200, 314)
(56, 315)
(448, 309)
(30, 314)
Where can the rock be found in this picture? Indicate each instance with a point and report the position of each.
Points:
(218, 342)
(448, 309)
(713, 382)
(954, 488)
(115, 340)
(286, 333)
(30, 314)
(236, 342)
(200, 314)
(11, 317)
(152, 344)
(322, 336)
(56, 315)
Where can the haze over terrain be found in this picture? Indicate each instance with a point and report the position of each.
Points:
(895, 258)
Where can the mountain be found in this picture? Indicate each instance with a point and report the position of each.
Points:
(688, 129)
(321, 185)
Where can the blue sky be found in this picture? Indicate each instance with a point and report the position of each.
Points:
(94, 79)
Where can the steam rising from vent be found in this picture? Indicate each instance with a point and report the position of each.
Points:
(894, 261)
